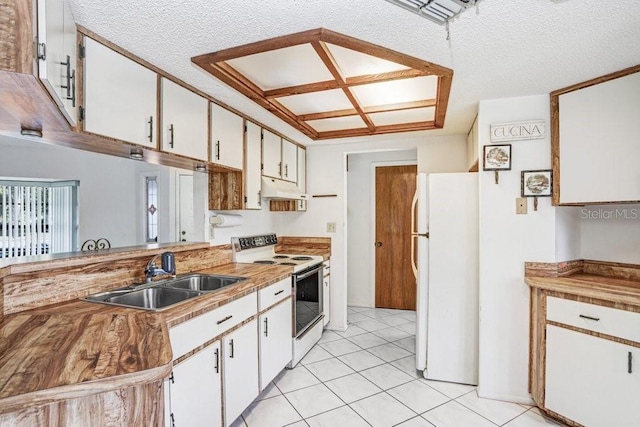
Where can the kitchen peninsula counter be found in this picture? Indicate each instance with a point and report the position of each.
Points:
(78, 348)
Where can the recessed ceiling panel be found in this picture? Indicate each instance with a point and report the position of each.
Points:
(397, 91)
(353, 63)
(290, 66)
(329, 85)
(337, 123)
(328, 100)
(403, 116)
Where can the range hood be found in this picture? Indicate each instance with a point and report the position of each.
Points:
(278, 189)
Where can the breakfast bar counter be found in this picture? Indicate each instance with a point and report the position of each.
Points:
(78, 348)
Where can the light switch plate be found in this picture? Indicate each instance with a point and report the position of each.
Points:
(521, 205)
(331, 227)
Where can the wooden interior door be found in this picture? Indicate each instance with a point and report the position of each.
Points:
(395, 282)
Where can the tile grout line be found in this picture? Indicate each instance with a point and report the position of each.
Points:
(475, 412)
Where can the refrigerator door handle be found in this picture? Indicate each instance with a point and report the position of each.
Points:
(414, 265)
(414, 205)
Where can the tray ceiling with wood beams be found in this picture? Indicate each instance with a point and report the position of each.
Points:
(329, 85)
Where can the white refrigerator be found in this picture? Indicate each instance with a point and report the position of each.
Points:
(445, 242)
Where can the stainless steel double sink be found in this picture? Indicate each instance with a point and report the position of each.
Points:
(160, 295)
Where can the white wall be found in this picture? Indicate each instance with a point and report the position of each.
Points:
(361, 220)
(610, 233)
(326, 175)
(568, 234)
(508, 240)
(255, 222)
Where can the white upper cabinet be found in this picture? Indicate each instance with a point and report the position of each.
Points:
(227, 136)
(594, 139)
(120, 96)
(279, 157)
(289, 161)
(185, 121)
(271, 154)
(252, 171)
(57, 55)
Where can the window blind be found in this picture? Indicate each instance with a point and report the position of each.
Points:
(37, 217)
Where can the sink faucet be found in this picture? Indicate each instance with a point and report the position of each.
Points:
(168, 266)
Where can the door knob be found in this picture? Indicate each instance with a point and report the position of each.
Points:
(378, 244)
(184, 232)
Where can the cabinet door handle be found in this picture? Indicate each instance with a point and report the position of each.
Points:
(73, 89)
(150, 122)
(595, 319)
(171, 136)
(217, 150)
(68, 86)
(279, 292)
(286, 171)
(266, 326)
(224, 320)
(630, 363)
(217, 361)
(280, 168)
(231, 345)
(260, 198)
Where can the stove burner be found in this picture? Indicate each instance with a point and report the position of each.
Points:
(302, 258)
(280, 256)
(264, 261)
(287, 263)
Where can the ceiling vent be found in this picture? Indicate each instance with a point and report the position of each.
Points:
(439, 11)
(328, 85)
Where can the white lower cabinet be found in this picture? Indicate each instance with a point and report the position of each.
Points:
(326, 292)
(275, 341)
(216, 384)
(590, 380)
(240, 370)
(195, 392)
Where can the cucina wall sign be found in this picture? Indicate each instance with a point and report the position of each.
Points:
(518, 131)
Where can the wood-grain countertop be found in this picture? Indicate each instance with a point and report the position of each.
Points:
(80, 348)
(617, 290)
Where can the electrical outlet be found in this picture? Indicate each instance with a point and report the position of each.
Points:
(521, 205)
(331, 227)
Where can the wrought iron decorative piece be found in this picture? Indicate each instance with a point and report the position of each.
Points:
(96, 245)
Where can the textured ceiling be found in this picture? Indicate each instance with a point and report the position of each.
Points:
(497, 49)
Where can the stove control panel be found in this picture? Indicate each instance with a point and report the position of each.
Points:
(257, 241)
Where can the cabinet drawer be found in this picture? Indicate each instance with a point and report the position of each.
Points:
(274, 293)
(326, 268)
(605, 320)
(194, 332)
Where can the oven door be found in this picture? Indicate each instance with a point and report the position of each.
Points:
(307, 307)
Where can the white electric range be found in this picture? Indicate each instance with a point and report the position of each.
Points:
(306, 283)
